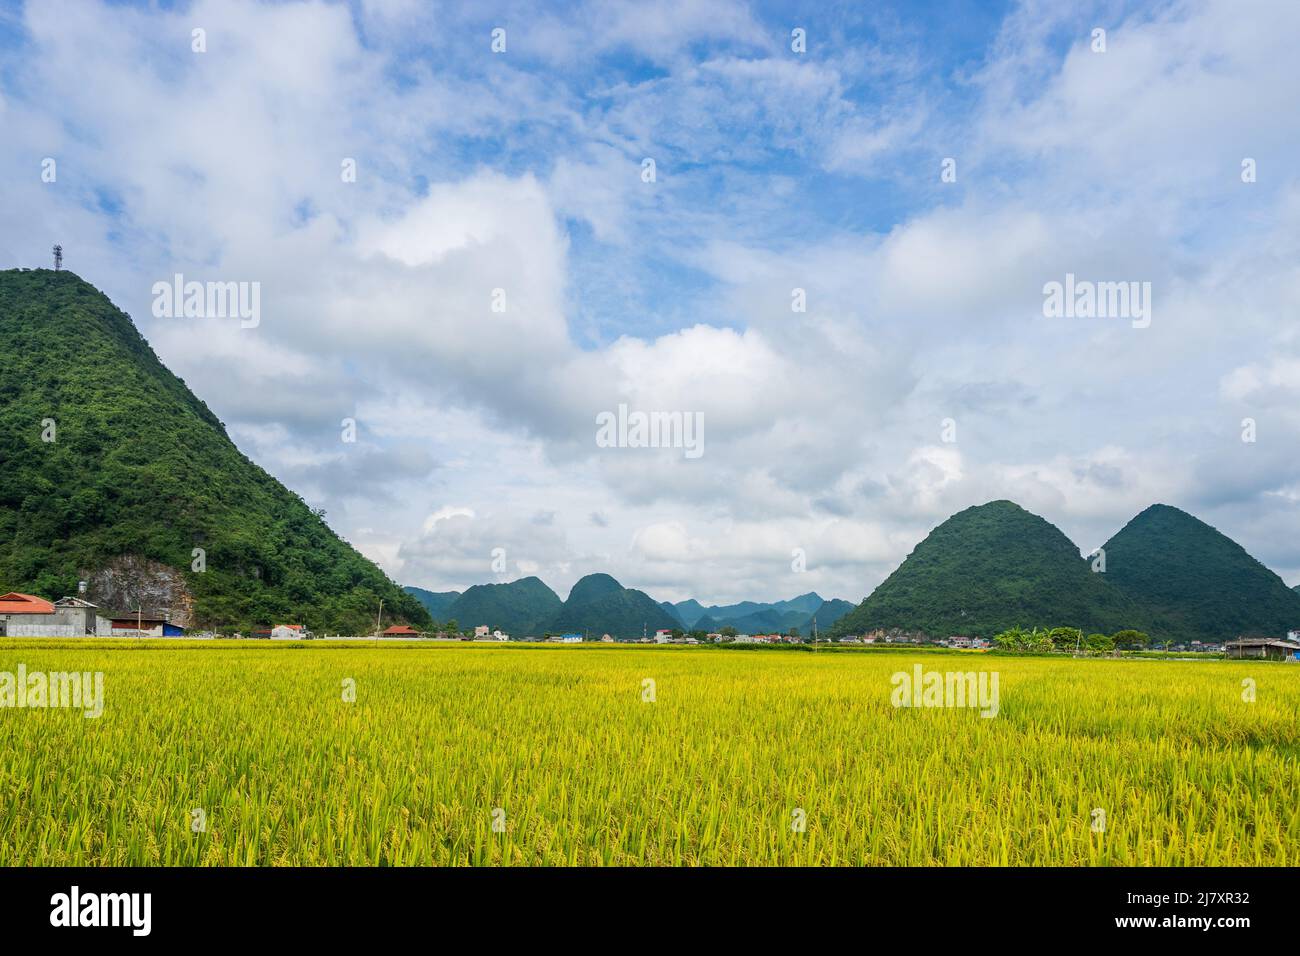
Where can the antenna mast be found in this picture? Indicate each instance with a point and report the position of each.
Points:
(58, 258)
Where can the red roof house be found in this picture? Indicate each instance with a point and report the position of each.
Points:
(401, 630)
(15, 603)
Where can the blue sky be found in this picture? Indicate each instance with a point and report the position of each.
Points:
(775, 170)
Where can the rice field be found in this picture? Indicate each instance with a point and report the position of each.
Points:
(213, 754)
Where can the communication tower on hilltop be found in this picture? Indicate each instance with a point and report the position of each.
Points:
(58, 258)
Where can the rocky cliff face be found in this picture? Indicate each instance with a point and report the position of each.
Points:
(129, 581)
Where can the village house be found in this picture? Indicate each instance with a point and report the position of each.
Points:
(288, 632)
(1265, 648)
(481, 631)
(126, 624)
(401, 630)
(26, 615)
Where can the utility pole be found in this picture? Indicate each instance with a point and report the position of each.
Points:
(379, 619)
(139, 616)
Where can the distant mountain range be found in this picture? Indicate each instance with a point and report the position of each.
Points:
(996, 566)
(752, 617)
(598, 604)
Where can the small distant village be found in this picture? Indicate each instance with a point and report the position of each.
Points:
(27, 615)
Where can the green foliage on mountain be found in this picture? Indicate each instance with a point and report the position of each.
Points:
(600, 605)
(830, 612)
(689, 611)
(674, 614)
(141, 466)
(520, 608)
(990, 568)
(593, 587)
(808, 603)
(1198, 583)
(435, 602)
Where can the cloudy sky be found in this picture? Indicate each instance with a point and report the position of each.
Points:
(827, 432)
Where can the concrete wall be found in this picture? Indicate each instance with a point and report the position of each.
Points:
(20, 628)
(64, 622)
(132, 632)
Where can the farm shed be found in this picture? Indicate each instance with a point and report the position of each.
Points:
(1263, 648)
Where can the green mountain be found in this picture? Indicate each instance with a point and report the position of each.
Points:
(109, 461)
(1198, 583)
(435, 602)
(600, 605)
(674, 613)
(593, 587)
(521, 608)
(689, 611)
(991, 567)
(830, 612)
(809, 603)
